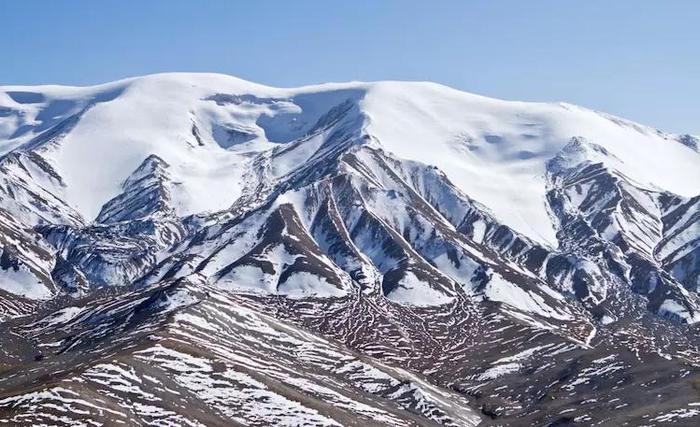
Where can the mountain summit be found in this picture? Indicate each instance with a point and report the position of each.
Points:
(198, 249)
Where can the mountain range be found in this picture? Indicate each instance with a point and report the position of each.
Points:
(196, 249)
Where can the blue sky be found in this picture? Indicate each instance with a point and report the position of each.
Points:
(637, 59)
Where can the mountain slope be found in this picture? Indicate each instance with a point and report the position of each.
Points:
(478, 142)
(456, 236)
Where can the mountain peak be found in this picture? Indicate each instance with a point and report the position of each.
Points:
(479, 254)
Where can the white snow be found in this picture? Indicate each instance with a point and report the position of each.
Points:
(131, 119)
(494, 150)
(180, 298)
(64, 315)
(23, 282)
(303, 284)
(249, 278)
(413, 291)
(606, 320)
(479, 231)
(676, 309)
(501, 290)
(462, 274)
(498, 371)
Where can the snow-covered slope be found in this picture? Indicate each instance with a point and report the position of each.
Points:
(496, 151)
(415, 223)
(207, 126)
(119, 177)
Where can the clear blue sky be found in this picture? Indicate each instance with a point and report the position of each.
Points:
(637, 59)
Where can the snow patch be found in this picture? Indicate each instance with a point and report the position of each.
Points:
(674, 308)
(413, 291)
(500, 290)
(23, 282)
(303, 284)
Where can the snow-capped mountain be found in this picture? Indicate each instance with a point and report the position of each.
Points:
(440, 257)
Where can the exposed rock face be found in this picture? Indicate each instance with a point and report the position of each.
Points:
(250, 255)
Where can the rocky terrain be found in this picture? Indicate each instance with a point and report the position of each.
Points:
(194, 249)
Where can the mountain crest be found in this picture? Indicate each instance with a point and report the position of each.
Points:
(392, 253)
